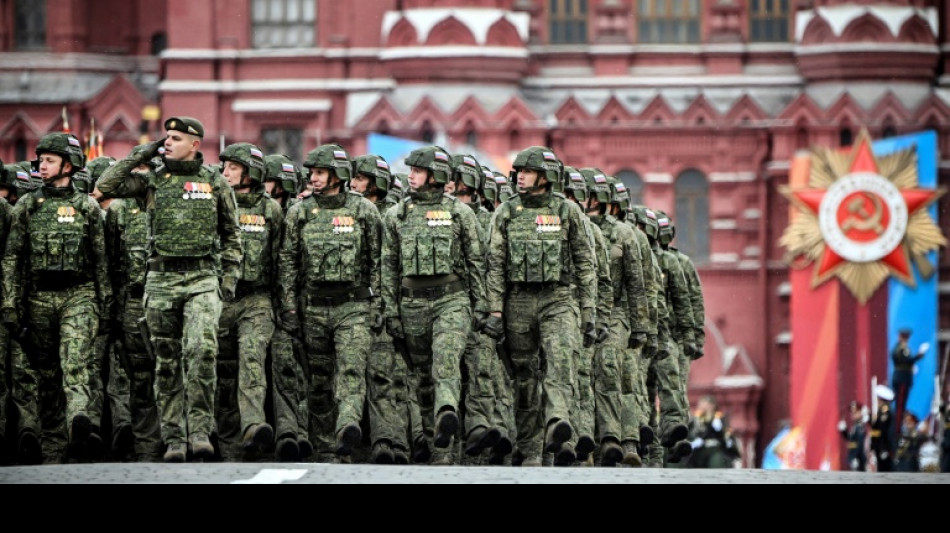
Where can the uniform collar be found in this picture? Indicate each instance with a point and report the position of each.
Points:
(531, 201)
(330, 202)
(428, 197)
(59, 192)
(186, 168)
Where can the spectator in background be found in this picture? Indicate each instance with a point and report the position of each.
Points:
(908, 446)
(883, 434)
(904, 363)
(855, 433)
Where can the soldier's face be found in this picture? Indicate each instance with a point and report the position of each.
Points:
(450, 188)
(465, 194)
(418, 177)
(234, 173)
(528, 179)
(320, 178)
(51, 166)
(4, 193)
(181, 146)
(271, 187)
(360, 184)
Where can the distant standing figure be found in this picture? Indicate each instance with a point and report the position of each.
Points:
(904, 362)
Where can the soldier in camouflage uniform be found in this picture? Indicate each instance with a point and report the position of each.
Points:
(290, 379)
(586, 413)
(127, 243)
(55, 284)
(194, 234)
(387, 376)
(696, 351)
(247, 324)
(7, 185)
(539, 250)
(329, 271)
(433, 272)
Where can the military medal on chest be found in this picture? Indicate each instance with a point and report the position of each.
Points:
(197, 191)
(343, 225)
(253, 224)
(548, 224)
(66, 215)
(439, 219)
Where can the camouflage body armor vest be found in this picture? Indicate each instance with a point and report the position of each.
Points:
(615, 255)
(537, 239)
(429, 239)
(134, 223)
(184, 221)
(255, 237)
(58, 230)
(332, 242)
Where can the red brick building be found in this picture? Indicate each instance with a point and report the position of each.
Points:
(697, 104)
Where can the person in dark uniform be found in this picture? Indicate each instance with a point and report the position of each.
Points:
(908, 447)
(945, 446)
(856, 433)
(712, 441)
(883, 435)
(903, 380)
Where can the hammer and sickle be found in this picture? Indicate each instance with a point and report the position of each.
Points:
(861, 219)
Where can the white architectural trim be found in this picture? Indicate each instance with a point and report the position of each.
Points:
(282, 106)
(739, 382)
(779, 165)
(752, 214)
(724, 225)
(205, 54)
(732, 177)
(661, 178)
(839, 17)
(784, 289)
(195, 86)
(752, 251)
(730, 259)
(603, 82)
(864, 48)
(478, 20)
(82, 62)
(429, 52)
(784, 339)
(749, 264)
(664, 49)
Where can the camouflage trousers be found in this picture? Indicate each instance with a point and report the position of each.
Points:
(146, 424)
(663, 381)
(437, 332)
(40, 403)
(4, 379)
(338, 341)
(291, 419)
(685, 366)
(244, 334)
(117, 386)
(541, 321)
(610, 367)
(504, 413)
(583, 411)
(480, 400)
(183, 311)
(387, 394)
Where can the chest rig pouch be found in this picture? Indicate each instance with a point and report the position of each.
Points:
(59, 229)
(429, 239)
(537, 245)
(185, 215)
(255, 237)
(332, 241)
(134, 224)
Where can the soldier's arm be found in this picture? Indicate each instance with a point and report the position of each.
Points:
(289, 268)
(97, 237)
(585, 270)
(652, 281)
(119, 182)
(605, 285)
(497, 260)
(662, 307)
(13, 278)
(697, 300)
(635, 285)
(229, 230)
(474, 258)
(389, 269)
(114, 250)
(682, 307)
(374, 238)
(276, 239)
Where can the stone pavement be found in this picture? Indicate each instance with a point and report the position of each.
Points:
(336, 474)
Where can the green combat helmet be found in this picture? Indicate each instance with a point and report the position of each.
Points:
(282, 169)
(398, 190)
(667, 229)
(598, 185)
(376, 169)
(248, 156)
(505, 190)
(467, 171)
(620, 196)
(647, 218)
(434, 159)
(489, 189)
(97, 167)
(21, 175)
(331, 157)
(64, 145)
(83, 182)
(539, 159)
(575, 184)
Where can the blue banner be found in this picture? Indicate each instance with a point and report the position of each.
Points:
(917, 308)
(393, 149)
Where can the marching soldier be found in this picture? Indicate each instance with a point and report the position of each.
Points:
(601, 409)
(290, 379)
(55, 285)
(883, 431)
(908, 445)
(945, 443)
(127, 243)
(329, 270)
(387, 377)
(247, 324)
(539, 249)
(194, 231)
(433, 278)
(6, 211)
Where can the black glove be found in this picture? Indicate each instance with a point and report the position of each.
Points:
(395, 329)
(494, 327)
(229, 289)
(691, 351)
(379, 323)
(11, 321)
(652, 347)
(590, 334)
(106, 327)
(637, 341)
(290, 322)
(480, 320)
(603, 333)
(154, 150)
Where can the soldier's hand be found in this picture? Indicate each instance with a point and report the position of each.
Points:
(603, 333)
(480, 320)
(229, 289)
(379, 323)
(154, 150)
(395, 329)
(495, 328)
(698, 353)
(290, 322)
(637, 341)
(652, 347)
(11, 321)
(590, 335)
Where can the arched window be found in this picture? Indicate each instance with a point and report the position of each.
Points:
(634, 184)
(428, 134)
(30, 26)
(846, 137)
(770, 21)
(514, 141)
(692, 215)
(568, 21)
(669, 21)
(159, 43)
(19, 149)
(471, 137)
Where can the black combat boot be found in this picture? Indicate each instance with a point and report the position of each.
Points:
(176, 453)
(676, 434)
(201, 447)
(29, 451)
(585, 447)
(611, 454)
(558, 433)
(446, 427)
(258, 437)
(288, 451)
(348, 439)
(481, 439)
(383, 454)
